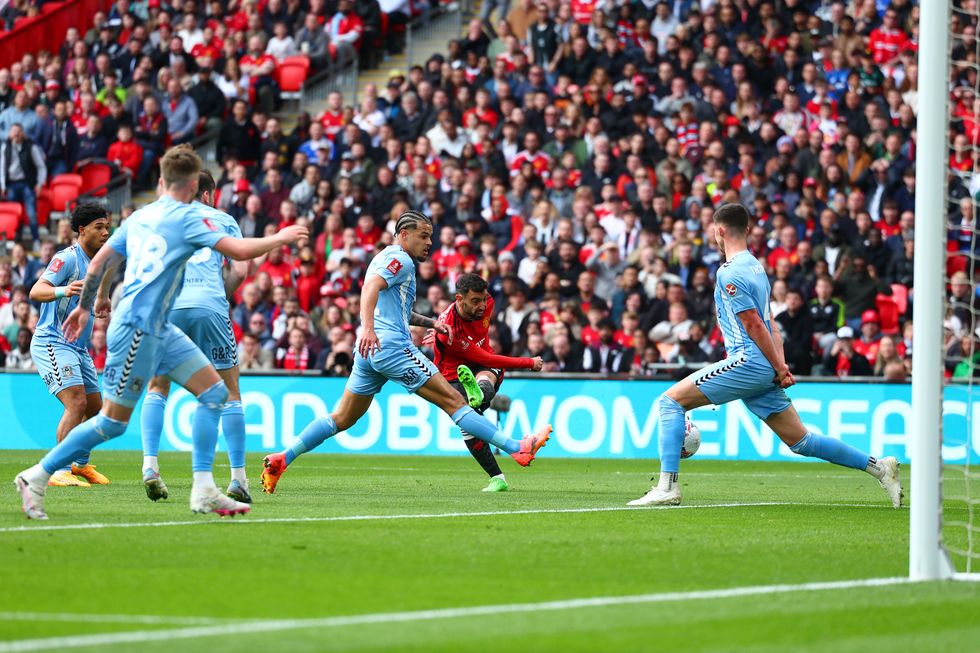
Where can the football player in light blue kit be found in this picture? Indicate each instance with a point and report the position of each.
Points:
(67, 367)
(156, 242)
(755, 371)
(386, 352)
(201, 311)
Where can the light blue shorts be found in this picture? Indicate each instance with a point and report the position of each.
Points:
(136, 356)
(401, 362)
(211, 331)
(745, 378)
(63, 366)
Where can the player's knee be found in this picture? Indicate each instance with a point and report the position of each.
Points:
(669, 406)
(108, 428)
(75, 405)
(215, 396)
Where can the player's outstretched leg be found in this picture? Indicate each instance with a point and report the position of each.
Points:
(205, 496)
(233, 426)
(82, 468)
(151, 428)
(788, 426)
(667, 491)
(32, 482)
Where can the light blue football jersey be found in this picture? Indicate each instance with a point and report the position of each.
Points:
(391, 315)
(741, 285)
(157, 240)
(68, 265)
(204, 283)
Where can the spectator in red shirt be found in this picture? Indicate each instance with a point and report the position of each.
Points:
(788, 241)
(308, 284)
(887, 42)
(867, 345)
(125, 152)
(333, 117)
(278, 269)
(297, 355)
(368, 233)
(260, 68)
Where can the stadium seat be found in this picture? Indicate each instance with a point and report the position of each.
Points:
(888, 314)
(95, 176)
(65, 189)
(901, 296)
(291, 74)
(48, 7)
(43, 207)
(956, 263)
(9, 223)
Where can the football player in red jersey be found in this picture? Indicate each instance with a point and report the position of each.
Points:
(465, 358)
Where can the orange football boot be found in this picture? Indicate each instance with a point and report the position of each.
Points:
(274, 465)
(89, 474)
(530, 445)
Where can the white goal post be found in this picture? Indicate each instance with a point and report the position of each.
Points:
(927, 559)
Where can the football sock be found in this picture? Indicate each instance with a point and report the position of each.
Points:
(151, 426)
(151, 462)
(470, 421)
(312, 436)
(671, 435)
(82, 460)
(832, 450)
(204, 479)
(204, 428)
(233, 425)
(874, 468)
(238, 474)
(488, 391)
(483, 455)
(84, 437)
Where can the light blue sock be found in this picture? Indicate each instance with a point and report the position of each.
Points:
(233, 424)
(81, 439)
(82, 459)
(151, 422)
(671, 435)
(832, 450)
(204, 430)
(472, 422)
(312, 437)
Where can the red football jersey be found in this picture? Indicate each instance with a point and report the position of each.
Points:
(471, 344)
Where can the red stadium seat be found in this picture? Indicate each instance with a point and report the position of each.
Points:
(888, 314)
(65, 189)
(291, 74)
(9, 224)
(43, 207)
(15, 208)
(48, 7)
(95, 176)
(901, 296)
(956, 263)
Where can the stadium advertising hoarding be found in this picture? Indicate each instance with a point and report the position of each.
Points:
(592, 419)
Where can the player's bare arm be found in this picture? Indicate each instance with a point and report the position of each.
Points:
(107, 258)
(103, 303)
(369, 342)
(766, 342)
(419, 320)
(235, 275)
(243, 249)
(44, 291)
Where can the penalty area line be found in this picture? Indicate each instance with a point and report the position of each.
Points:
(443, 515)
(280, 625)
(140, 619)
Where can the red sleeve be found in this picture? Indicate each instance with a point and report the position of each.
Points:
(482, 357)
(516, 227)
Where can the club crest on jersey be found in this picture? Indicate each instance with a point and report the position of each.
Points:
(56, 265)
(730, 289)
(210, 225)
(394, 266)
(66, 371)
(486, 322)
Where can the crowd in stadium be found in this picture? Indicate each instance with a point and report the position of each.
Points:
(570, 152)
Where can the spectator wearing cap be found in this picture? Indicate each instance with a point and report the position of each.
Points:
(23, 173)
(607, 265)
(842, 360)
(239, 137)
(867, 344)
(208, 99)
(52, 93)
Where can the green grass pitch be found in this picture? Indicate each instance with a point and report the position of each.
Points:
(246, 584)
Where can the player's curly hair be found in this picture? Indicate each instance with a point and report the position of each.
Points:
(85, 214)
(205, 184)
(411, 220)
(470, 282)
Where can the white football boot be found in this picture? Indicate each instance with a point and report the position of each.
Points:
(891, 482)
(31, 493)
(665, 493)
(210, 499)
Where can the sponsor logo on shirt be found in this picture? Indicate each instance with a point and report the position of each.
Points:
(395, 266)
(210, 225)
(730, 289)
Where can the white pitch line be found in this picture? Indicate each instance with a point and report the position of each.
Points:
(279, 625)
(442, 515)
(141, 619)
